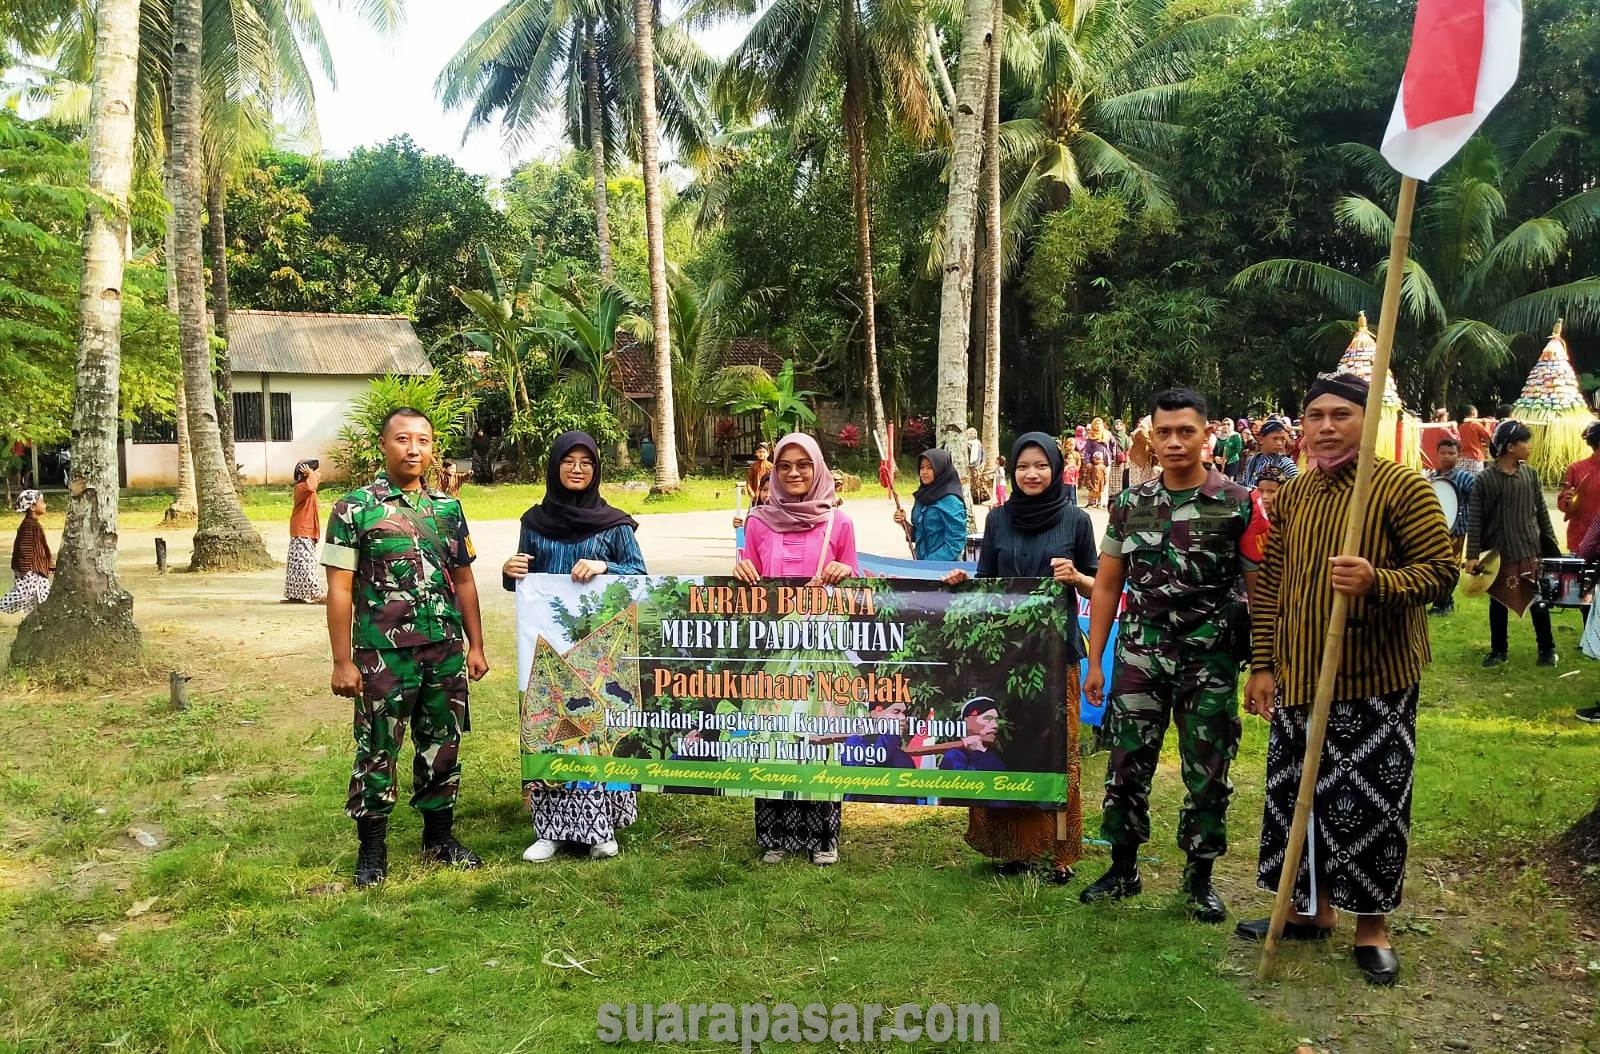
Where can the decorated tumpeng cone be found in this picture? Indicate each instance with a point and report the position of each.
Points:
(1399, 432)
(1552, 406)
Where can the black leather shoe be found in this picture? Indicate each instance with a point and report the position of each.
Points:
(1116, 884)
(1204, 903)
(1380, 966)
(1549, 658)
(372, 859)
(439, 844)
(1256, 930)
(1495, 658)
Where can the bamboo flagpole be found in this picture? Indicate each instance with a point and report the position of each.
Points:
(1333, 643)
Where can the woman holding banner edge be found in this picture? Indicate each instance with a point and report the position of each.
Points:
(1036, 534)
(798, 533)
(575, 531)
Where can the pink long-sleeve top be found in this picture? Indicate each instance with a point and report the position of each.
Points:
(798, 554)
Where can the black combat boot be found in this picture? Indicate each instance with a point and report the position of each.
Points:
(372, 859)
(1120, 881)
(439, 844)
(1203, 900)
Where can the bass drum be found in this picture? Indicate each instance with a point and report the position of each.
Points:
(1447, 500)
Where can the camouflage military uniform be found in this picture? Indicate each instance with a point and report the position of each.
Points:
(1184, 574)
(407, 640)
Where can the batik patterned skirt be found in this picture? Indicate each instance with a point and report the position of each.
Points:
(1027, 834)
(1361, 820)
(797, 826)
(301, 578)
(30, 591)
(585, 816)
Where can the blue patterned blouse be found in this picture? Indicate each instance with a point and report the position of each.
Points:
(615, 545)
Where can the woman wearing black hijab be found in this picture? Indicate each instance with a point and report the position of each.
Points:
(937, 526)
(1037, 533)
(574, 532)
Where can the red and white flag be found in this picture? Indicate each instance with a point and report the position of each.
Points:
(1463, 60)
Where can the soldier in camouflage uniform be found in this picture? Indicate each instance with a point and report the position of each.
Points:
(401, 597)
(1174, 543)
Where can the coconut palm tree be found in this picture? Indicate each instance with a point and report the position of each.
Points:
(1480, 263)
(225, 538)
(1101, 82)
(644, 16)
(960, 221)
(874, 49)
(88, 612)
(575, 57)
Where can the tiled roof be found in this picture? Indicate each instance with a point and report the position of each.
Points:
(636, 364)
(307, 342)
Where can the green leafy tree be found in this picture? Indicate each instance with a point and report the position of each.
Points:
(784, 406)
(1481, 263)
(357, 450)
(577, 58)
(874, 50)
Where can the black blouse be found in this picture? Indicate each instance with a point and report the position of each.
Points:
(1010, 553)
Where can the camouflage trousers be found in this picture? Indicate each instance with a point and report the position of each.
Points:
(425, 686)
(1197, 691)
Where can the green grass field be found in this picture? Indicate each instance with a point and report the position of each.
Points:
(246, 947)
(507, 501)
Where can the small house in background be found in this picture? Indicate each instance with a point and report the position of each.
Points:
(296, 378)
(635, 376)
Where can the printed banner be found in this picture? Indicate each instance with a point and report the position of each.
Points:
(873, 690)
(933, 570)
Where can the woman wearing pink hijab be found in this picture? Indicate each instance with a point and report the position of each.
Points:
(798, 533)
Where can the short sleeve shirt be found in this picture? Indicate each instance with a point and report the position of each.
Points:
(402, 547)
(1183, 559)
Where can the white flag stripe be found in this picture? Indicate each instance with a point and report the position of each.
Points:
(1420, 152)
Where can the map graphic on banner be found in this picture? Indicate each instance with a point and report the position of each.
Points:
(886, 691)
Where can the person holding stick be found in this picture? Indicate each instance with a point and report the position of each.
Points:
(1360, 819)
(1036, 534)
(937, 526)
(1175, 543)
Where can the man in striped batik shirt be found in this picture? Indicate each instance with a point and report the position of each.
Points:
(1355, 855)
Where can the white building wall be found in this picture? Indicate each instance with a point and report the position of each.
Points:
(319, 406)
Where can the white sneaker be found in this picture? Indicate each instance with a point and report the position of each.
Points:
(772, 856)
(540, 851)
(825, 859)
(604, 850)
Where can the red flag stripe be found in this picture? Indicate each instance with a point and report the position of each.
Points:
(1441, 78)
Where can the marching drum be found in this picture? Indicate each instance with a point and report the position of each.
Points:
(1447, 500)
(1564, 583)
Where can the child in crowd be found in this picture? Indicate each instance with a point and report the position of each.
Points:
(1069, 475)
(1094, 480)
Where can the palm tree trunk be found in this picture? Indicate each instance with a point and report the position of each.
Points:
(225, 538)
(185, 509)
(217, 228)
(960, 224)
(655, 236)
(855, 123)
(995, 262)
(597, 146)
(88, 619)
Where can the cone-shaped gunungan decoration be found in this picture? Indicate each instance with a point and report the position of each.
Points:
(1552, 406)
(1399, 432)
